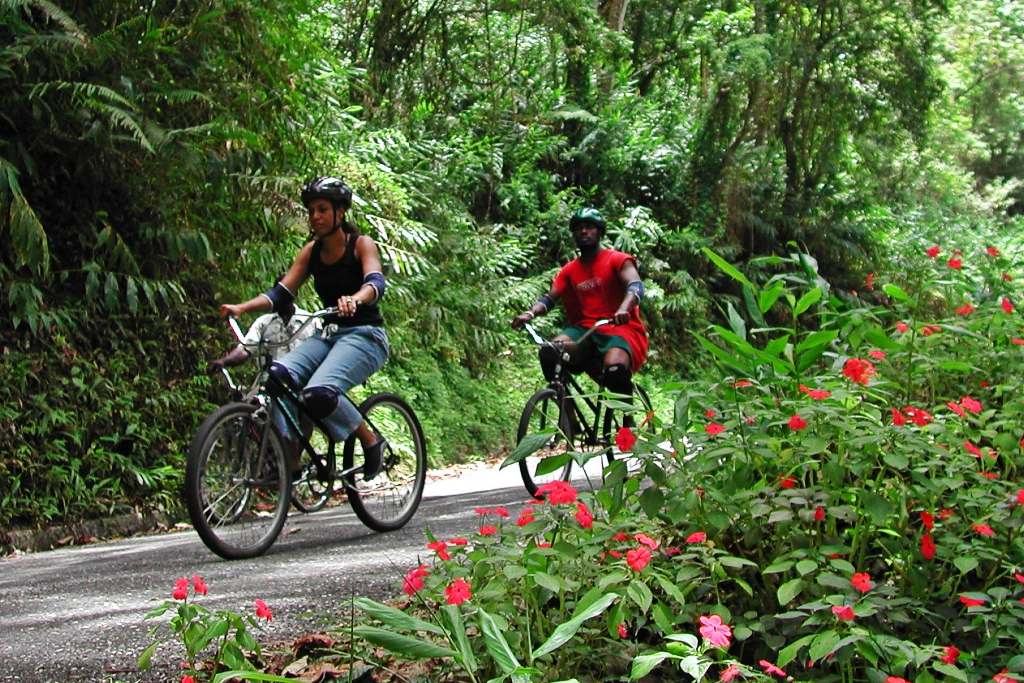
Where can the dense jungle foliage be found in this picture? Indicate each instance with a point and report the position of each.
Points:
(151, 154)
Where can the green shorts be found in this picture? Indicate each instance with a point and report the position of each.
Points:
(596, 343)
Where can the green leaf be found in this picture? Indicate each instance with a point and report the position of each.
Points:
(879, 338)
(895, 292)
(110, 291)
(457, 628)
(496, 644)
(823, 645)
(769, 297)
(547, 581)
(819, 338)
(640, 594)
(951, 671)
(644, 664)
(145, 659)
(807, 300)
(402, 645)
(789, 590)
(530, 444)
(784, 565)
(965, 563)
(876, 506)
(244, 675)
(728, 268)
(567, 630)
(790, 652)
(395, 618)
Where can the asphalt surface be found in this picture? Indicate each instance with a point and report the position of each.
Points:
(76, 614)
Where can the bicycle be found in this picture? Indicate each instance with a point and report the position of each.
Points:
(562, 425)
(239, 481)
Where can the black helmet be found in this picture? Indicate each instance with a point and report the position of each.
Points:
(327, 187)
(588, 214)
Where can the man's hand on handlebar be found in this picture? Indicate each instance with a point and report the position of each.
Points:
(620, 318)
(522, 319)
(214, 366)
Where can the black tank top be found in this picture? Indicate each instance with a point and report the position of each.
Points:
(344, 277)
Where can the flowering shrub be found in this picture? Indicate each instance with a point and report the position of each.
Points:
(225, 637)
(843, 505)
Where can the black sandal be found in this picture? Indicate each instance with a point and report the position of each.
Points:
(374, 459)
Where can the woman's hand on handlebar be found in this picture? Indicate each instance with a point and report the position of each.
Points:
(347, 306)
(233, 310)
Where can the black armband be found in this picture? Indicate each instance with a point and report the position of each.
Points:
(547, 302)
(280, 298)
(376, 280)
(637, 289)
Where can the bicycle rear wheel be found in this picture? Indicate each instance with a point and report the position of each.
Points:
(388, 501)
(309, 490)
(543, 412)
(236, 482)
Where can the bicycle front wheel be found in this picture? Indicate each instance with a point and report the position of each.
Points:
(237, 487)
(543, 412)
(388, 501)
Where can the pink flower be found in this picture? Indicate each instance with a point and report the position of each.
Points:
(983, 529)
(458, 592)
(861, 581)
(441, 548)
(971, 404)
(414, 579)
(932, 251)
(697, 537)
(819, 513)
(623, 633)
(955, 263)
(843, 613)
(731, 672)
(624, 439)
(644, 539)
(583, 515)
(557, 492)
(787, 481)
(714, 631)
(638, 558)
(971, 602)
(951, 653)
(902, 326)
(955, 407)
(796, 423)
(1007, 305)
(262, 611)
(771, 668)
(927, 547)
(714, 428)
(928, 520)
(858, 370)
(180, 589)
(877, 355)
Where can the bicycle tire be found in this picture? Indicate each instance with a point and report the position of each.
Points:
(552, 461)
(309, 491)
(237, 487)
(388, 501)
(613, 420)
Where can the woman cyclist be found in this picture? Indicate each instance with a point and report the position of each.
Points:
(346, 271)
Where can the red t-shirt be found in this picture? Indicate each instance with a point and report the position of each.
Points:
(593, 290)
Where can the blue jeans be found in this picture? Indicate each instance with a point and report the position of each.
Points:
(338, 358)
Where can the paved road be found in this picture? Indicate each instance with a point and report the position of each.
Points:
(76, 614)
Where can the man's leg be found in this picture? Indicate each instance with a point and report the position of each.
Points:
(617, 377)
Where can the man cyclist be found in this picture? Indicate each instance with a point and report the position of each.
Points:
(599, 283)
(268, 329)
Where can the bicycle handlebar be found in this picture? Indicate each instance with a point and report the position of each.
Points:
(236, 329)
(562, 344)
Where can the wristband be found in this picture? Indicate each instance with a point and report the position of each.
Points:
(376, 280)
(280, 298)
(546, 302)
(637, 289)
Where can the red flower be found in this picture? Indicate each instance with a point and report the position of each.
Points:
(1000, 678)
(262, 611)
(819, 513)
(1019, 577)
(188, 679)
(638, 558)
(971, 404)
(709, 413)
(844, 613)
(1006, 276)
(932, 251)
(897, 418)
(671, 551)
(955, 407)
(525, 518)
(583, 515)
(928, 520)
(458, 592)
(624, 439)
(488, 530)
(615, 553)
(741, 383)
(646, 540)
(1017, 341)
(816, 394)
(927, 547)
(971, 602)
(954, 263)
(787, 481)
(1020, 496)
(918, 416)
(945, 514)
(714, 631)
(414, 579)
(951, 653)
(992, 251)
(714, 428)
(796, 423)
(623, 633)
(972, 449)
(441, 548)
(458, 541)
(902, 326)
(926, 331)
(895, 679)
(858, 370)
(1007, 305)
(621, 536)
(989, 475)
(861, 581)
(771, 668)
(481, 511)
(983, 529)
(199, 585)
(180, 589)
(966, 309)
(877, 355)
(731, 672)
(697, 537)
(558, 492)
